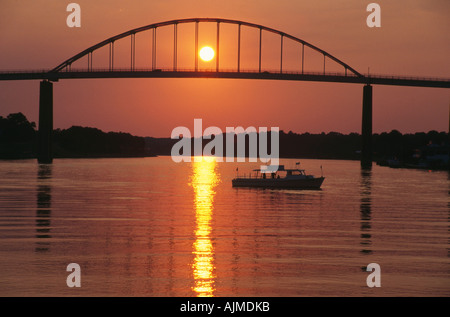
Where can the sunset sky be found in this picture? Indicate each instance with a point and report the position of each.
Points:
(414, 39)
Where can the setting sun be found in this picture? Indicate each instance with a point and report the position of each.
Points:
(206, 53)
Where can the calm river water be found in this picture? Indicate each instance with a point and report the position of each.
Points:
(152, 227)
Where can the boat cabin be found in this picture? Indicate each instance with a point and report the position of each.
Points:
(280, 172)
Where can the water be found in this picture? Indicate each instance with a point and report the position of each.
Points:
(151, 227)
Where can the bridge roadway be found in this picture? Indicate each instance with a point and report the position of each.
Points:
(169, 73)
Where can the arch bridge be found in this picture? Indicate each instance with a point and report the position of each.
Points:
(331, 69)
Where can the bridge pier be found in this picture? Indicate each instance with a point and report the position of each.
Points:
(44, 152)
(366, 148)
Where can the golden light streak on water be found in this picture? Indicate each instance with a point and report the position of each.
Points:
(204, 179)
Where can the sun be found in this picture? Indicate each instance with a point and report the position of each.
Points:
(206, 53)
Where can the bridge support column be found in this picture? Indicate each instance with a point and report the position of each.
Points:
(366, 149)
(44, 153)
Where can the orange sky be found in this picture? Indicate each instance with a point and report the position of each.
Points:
(413, 40)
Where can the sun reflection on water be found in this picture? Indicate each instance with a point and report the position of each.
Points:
(204, 180)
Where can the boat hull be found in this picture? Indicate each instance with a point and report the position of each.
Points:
(282, 183)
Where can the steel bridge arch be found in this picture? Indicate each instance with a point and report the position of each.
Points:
(88, 52)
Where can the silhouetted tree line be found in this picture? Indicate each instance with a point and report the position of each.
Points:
(404, 146)
(91, 142)
(18, 139)
(331, 145)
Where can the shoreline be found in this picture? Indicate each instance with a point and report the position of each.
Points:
(374, 162)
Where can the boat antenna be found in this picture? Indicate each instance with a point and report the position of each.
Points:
(321, 171)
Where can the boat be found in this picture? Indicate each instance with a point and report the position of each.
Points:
(281, 178)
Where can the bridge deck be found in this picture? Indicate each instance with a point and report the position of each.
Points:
(161, 73)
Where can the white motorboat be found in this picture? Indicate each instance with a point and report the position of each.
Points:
(279, 178)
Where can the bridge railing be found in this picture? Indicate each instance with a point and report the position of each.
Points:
(24, 71)
(226, 70)
(407, 77)
(207, 70)
(225, 73)
(179, 70)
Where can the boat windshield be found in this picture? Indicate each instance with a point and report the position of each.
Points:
(295, 172)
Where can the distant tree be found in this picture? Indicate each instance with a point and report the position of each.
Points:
(91, 142)
(17, 137)
(16, 128)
